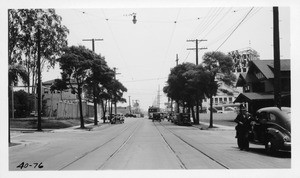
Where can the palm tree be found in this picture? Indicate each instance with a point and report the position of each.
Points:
(15, 72)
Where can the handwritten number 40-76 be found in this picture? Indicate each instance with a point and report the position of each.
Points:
(26, 165)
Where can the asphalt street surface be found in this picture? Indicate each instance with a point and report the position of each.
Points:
(138, 144)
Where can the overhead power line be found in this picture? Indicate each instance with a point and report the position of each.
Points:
(235, 29)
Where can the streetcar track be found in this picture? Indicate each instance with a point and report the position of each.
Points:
(182, 165)
(91, 151)
(192, 146)
(118, 150)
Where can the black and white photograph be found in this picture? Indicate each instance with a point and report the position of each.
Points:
(149, 89)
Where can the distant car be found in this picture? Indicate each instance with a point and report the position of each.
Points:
(272, 128)
(117, 119)
(229, 110)
(130, 115)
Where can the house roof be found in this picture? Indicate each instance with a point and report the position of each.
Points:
(252, 96)
(247, 97)
(267, 66)
(50, 82)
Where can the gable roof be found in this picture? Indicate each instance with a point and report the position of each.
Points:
(247, 97)
(266, 67)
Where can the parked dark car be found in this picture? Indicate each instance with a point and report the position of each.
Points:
(272, 128)
(117, 119)
(182, 119)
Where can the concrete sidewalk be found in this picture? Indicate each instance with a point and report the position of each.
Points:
(205, 126)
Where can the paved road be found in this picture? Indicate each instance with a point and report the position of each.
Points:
(138, 144)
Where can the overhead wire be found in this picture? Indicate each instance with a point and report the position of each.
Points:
(210, 21)
(201, 23)
(117, 45)
(210, 18)
(235, 29)
(223, 16)
(171, 39)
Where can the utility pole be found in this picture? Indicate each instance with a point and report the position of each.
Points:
(129, 105)
(94, 86)
(197, 94)
(277, 74)
(115, 73)
(177, 59)
(197, 41)
(158, 97)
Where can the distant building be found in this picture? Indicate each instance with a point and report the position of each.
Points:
(242, 57)
(258, 84)
(64, 104)
(227, 95)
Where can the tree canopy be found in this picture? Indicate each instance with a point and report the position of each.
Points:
(23, 25)
(75, 64)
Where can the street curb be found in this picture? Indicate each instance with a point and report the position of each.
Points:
(205, 126)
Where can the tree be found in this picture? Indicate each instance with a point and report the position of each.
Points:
(217, 63)
(101, 75)
(116, 89)
(176, 83)
(185, 82)
(59, 85)
(23, 25)
(16, 71)
(75, 64)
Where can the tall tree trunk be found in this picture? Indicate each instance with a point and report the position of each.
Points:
(80, 108)
(110, 110)
(193, 115)
(211, 112)
(197, 107)
(177, 107)
(95, 105)
(103, 110)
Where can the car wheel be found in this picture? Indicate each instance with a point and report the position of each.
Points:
(270, 146)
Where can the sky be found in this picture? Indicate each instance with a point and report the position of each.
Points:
(144, 53)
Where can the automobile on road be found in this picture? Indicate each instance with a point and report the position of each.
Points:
(271, 127)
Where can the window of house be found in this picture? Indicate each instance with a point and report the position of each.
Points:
(225, 100)
(216, 100)
(221, 100)
(230, 99)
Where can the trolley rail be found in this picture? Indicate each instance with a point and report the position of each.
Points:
(104, 144)
(189, 144)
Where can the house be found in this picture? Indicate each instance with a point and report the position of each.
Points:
(258, 84)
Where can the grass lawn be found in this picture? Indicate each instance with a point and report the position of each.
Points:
(31, 123)
(218, 118)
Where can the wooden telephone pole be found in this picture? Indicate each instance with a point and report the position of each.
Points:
(277, 74)
(94, 86)
(197, 94)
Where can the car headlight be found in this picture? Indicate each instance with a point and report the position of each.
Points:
(286, 139)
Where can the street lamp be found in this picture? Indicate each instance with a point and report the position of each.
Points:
(134, 18)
